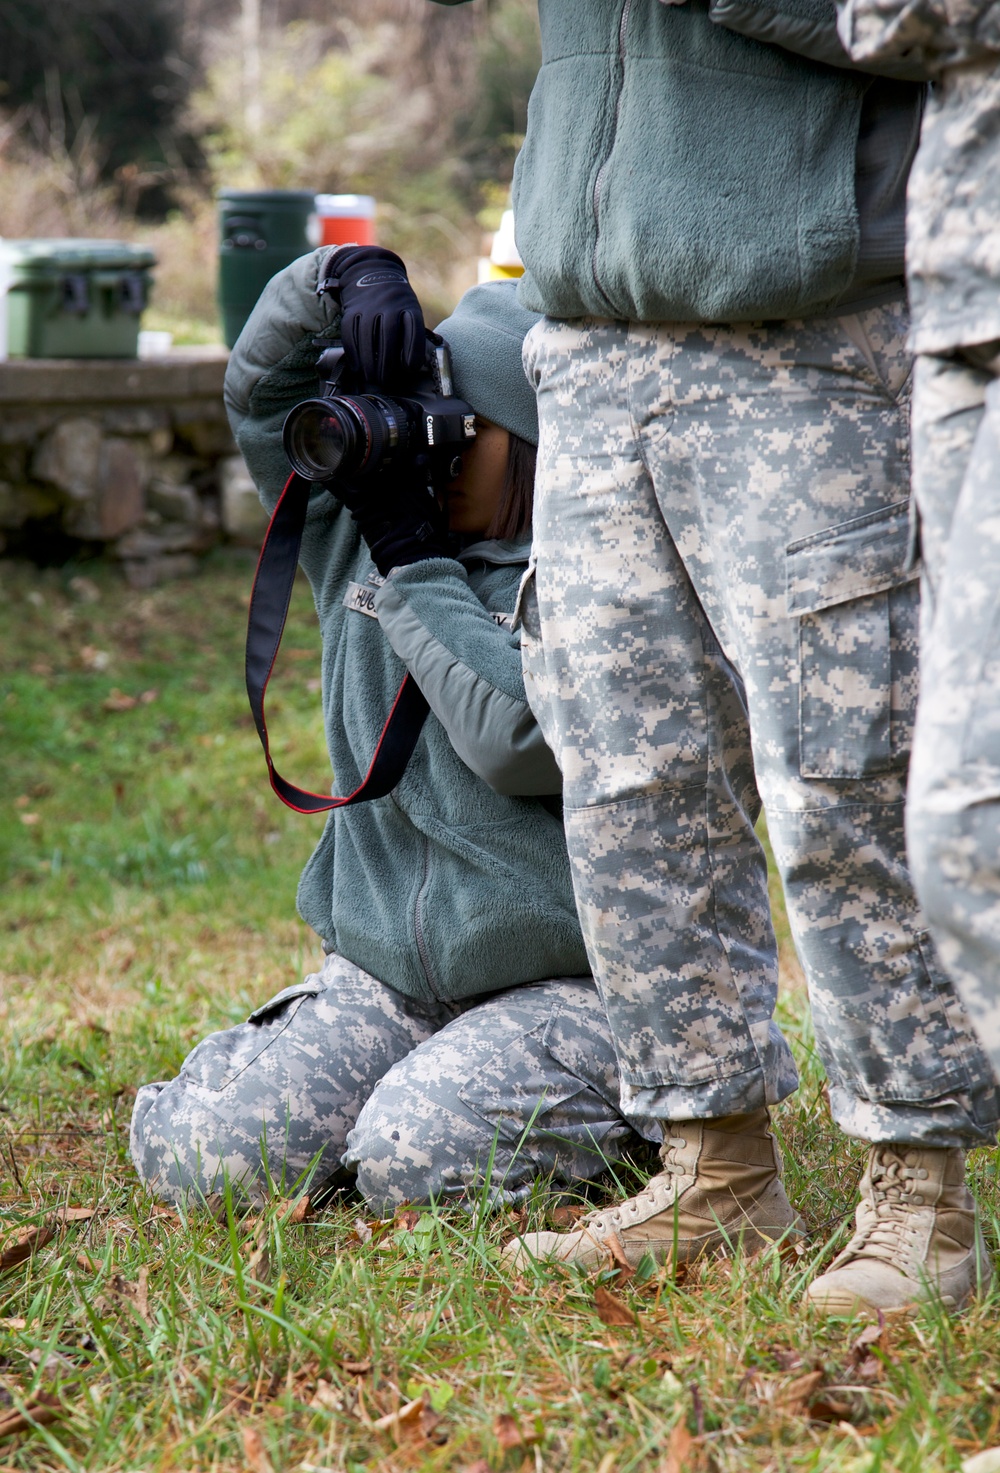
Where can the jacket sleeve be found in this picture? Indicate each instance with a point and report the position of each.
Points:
(469, 668)
(272, 367)
(810, 29)
(925, 35)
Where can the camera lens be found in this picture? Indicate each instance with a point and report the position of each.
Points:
(346, 436)
(324, 439)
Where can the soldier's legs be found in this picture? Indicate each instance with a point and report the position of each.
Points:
(521, 1086)
(276, 1093)
(953, 806)
(776, 456)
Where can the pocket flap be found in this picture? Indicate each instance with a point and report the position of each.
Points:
(309, 987)
(851, 560)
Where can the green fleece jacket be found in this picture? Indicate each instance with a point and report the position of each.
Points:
(456, 883)
(689, 162)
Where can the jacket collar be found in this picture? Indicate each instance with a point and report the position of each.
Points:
(493, 550)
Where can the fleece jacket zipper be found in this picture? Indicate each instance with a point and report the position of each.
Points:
(599, 180)
(418, 925)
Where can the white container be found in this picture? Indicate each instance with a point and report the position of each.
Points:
(154, 344)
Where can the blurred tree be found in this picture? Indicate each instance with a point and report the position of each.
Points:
(110, 70)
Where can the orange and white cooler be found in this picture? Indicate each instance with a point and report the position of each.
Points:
(343, 219)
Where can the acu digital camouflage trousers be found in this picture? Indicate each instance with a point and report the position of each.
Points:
(953, 810)
(340, 1073)
(721, 605)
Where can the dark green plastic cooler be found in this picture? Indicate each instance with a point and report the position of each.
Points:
(75, 298)
(261, 231)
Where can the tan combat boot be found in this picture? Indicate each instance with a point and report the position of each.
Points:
(720, 1186)
(916, 1237)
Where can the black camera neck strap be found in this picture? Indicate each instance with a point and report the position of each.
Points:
(269, 600)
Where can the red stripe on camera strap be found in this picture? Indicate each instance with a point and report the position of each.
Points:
(269, 600)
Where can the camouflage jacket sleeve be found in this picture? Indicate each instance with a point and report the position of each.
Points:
(923, 35)
(807, 27)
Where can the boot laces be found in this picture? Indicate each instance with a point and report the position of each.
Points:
(651, 1195)
(892, 1223)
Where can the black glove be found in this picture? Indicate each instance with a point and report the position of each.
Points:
(402, 524)
(382, 330)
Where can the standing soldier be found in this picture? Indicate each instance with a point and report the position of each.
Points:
(953, 266)
(709, 205)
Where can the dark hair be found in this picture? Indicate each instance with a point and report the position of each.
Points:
(513, 516)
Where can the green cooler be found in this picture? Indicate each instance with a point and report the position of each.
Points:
(74, 298)
(261, 231)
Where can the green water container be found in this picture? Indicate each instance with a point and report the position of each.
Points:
(75, 298)
(260, 232)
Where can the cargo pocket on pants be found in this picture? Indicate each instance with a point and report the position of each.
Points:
(530, 1088)
(222, 1057)
(855, 596)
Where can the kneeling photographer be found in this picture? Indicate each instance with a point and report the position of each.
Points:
(453, 1028)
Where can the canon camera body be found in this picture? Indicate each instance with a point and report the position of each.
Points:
(352, 437)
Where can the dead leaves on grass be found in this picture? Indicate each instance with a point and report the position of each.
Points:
(38, 1411)
(117, 700)
(511, 1433)
(21, 1245)
(611, 1310)
(827, 1394)
(685, 1452)
(255, 1452)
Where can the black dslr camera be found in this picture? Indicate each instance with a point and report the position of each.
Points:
(357, 436)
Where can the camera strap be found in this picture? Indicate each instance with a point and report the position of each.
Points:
(269, 600)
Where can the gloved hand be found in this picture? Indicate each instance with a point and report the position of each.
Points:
(383, 326)
(401, 523)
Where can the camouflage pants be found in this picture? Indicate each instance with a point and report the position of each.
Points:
(953, 810)
(341, 1068)
(720, 605)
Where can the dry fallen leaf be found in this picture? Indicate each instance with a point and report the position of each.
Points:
(76, 1214)
(509, 1433)
(788, 1360)
(611, 1310)
(25, 1244)
(297, 1210)
(255, 1453)
(356, 1367)
(39, 1411)
(326, 1397)
(616, 1248)
(684, 1452)
(117, 700)
(407, 1219)
(567, 1217)
(479, 1466)
(410, 1412)
(13, 1323)
(866, 1365)
(794, 1398)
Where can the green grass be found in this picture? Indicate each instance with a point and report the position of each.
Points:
(148, 896)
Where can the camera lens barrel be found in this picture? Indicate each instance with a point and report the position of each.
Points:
(345, 436)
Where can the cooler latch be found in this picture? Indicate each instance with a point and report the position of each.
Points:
(75, 291)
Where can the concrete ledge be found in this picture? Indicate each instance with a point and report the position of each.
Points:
(182, 373)
(130, 456)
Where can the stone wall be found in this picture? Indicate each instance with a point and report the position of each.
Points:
(132, 459)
